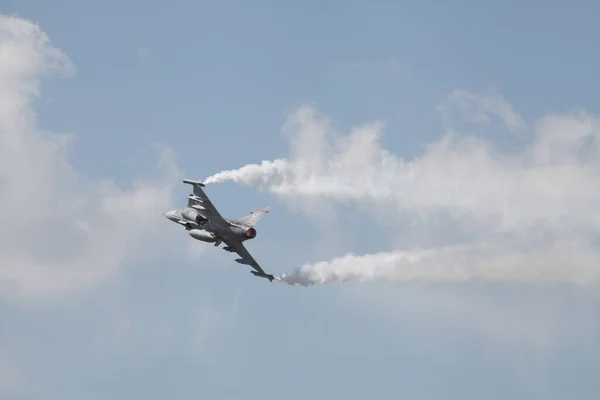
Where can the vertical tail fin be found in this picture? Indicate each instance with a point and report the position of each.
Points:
(255, 216)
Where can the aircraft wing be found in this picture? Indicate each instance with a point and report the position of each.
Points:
(246, 258)
(200, 201)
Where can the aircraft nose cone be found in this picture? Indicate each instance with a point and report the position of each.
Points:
(170, 215)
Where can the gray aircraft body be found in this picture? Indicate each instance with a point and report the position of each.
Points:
(203, 222)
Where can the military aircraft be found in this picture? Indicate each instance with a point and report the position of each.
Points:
(203, 222)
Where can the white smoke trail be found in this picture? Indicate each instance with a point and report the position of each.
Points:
(252, 174)
(564, 263)
(550, 187)
(552, 180)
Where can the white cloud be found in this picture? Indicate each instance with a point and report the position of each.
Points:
(58, 231)
(477, 108)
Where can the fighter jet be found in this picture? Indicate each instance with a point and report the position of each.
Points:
(203, 222)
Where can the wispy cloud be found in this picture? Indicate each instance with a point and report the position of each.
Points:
(532, 321)
(61, 232)
(478, 108)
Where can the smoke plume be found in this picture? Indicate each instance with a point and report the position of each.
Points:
(548, 263)
(553, 179)
(548, 188)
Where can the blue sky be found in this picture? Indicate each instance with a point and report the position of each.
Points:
(102, 297)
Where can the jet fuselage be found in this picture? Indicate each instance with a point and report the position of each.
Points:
(201, 228)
